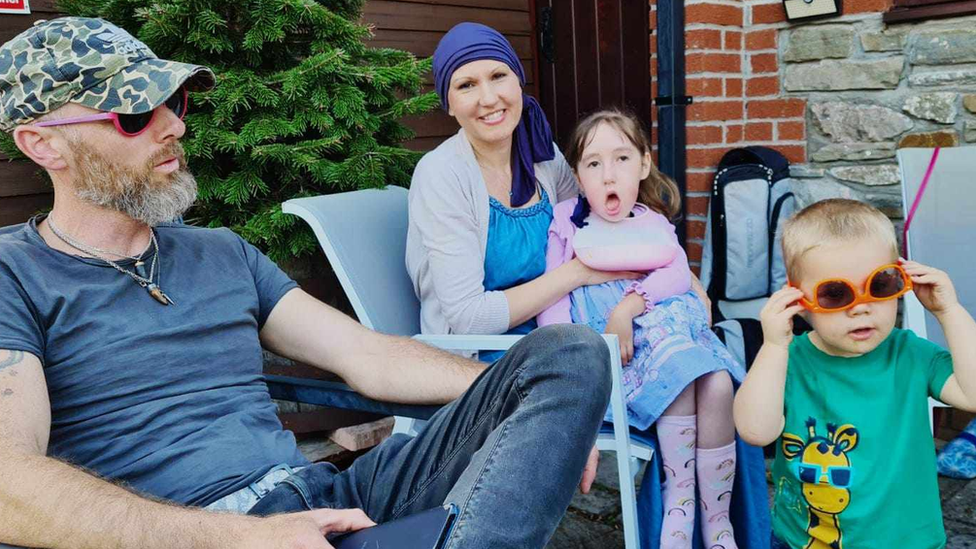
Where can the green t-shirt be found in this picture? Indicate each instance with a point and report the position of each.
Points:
(856, 458)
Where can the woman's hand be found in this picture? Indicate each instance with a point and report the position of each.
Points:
(588, 276)
(777, 316)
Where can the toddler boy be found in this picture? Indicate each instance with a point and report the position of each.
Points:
(848, 402)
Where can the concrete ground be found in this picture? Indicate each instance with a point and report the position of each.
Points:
(593, 520)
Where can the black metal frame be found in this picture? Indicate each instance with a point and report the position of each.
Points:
(339, 395)
(671, 100)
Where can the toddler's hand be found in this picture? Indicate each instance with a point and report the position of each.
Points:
(932, 287)
(622, 325)
(777, 316)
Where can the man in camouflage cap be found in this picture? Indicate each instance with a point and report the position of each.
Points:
(131, 351)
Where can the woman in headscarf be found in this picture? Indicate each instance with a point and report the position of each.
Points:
(481, 202)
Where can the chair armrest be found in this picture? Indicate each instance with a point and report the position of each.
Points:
(339, 395)
(456, 342)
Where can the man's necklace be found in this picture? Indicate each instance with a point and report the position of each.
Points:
(139, 276)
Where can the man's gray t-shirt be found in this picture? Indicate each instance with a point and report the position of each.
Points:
(169, 399)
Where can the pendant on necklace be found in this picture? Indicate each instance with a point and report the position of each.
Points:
(158, 295)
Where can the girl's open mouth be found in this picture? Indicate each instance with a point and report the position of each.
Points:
(613, 203)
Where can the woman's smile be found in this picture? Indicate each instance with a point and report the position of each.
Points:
(494, 118)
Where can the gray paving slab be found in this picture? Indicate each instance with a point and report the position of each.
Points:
(576, 532)
(600, 502)
(606, 473)
(961, 507)
(949, 487)
(961, 541)
(954, 527)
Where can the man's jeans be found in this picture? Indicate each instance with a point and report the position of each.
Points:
(509, 452)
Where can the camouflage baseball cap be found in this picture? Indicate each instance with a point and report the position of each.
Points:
(86, 61)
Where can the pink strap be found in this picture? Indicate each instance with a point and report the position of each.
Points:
(78, 119)
(918, 198)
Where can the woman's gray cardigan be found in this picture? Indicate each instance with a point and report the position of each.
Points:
(448, 234)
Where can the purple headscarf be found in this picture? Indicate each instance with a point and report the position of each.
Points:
(532, 140)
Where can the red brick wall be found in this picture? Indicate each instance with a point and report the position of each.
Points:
(733, 73)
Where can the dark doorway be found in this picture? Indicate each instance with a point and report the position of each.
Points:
(592, 54)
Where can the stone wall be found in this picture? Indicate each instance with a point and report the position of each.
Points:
(871, 90)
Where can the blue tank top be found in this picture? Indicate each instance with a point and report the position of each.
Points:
(516, 252)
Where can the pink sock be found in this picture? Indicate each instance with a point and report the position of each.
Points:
(716, 473)
(677, 436)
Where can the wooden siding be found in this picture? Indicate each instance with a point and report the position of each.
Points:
(12, 24)
(24, 189)
(417, 26)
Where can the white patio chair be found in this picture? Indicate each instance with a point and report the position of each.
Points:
(363, 234)
(943, 232)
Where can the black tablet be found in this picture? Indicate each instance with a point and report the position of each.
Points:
(424, 530)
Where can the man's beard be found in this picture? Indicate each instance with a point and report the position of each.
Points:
(134, 191)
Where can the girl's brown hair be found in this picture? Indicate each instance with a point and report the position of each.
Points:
(658, 191)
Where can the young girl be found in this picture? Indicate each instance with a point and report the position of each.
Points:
(678, 374)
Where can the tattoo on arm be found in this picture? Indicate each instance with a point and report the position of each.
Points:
(13, 359)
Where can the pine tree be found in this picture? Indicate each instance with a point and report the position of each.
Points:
(301, 107)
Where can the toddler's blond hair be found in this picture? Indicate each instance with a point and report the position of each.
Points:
(834, 220)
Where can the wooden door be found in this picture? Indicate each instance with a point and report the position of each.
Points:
(592, 54)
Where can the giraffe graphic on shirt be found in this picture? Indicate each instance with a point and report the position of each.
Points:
(824, 469)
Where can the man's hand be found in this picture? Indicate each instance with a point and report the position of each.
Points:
(932, 287)
(777, 316)
(589, 472)
(305, 530)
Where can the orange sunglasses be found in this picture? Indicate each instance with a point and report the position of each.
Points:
(838, 294)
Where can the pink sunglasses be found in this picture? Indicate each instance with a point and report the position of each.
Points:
(129, 125)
